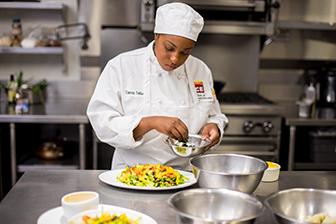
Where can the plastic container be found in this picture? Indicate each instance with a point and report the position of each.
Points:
(272, 172)
(304, 109)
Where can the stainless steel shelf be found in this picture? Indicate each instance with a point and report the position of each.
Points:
(36, 50)
(302, 25)
(39, 164)
(242, 28)
(32, 5)
(310, 122)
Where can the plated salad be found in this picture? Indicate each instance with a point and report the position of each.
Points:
(151, 175)
(107, 218)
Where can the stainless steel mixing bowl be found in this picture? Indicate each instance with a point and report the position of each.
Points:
(294, 205)
(231, 171)
(196, 146)
(215, 206)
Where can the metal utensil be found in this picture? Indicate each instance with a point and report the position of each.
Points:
(215, 206)
(293, 206)
(194, 146)
(230, 171)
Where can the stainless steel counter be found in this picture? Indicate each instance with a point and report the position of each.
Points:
(295, 122)
(56, 111)
(38, 191)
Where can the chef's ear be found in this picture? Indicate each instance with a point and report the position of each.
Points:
(156, 36)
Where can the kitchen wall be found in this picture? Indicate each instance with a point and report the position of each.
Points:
(295, 47)
(223, 53)
(51, 67)
(305, 38)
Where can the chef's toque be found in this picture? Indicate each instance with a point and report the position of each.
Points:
(178, 19)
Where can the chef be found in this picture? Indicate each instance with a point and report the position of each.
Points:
(148, 94)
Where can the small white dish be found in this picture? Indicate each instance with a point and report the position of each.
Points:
(272, 172)
(76, 202)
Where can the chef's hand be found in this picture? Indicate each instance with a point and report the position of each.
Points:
(171, 126)
(211, 132)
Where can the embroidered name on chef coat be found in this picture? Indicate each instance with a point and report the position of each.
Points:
(134, 92)
(201, 91)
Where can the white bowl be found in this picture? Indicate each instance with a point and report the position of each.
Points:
(272, 172)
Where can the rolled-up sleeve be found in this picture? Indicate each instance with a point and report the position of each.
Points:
(105, 110)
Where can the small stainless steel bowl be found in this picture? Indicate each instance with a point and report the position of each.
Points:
(230, 171)
(215, 206)
(197, 147)
(294, 205)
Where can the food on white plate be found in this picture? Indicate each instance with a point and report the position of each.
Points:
(107, 218)
(321, 218)
(329, 220)
(151, 175)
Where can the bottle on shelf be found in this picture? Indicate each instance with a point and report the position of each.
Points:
(22, 102)
(16, 33)
(11, 90)
(310, 98)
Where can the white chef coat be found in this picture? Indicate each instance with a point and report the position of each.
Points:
(132, 86)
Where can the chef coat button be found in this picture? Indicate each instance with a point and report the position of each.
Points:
(160, 74)
(160, 101)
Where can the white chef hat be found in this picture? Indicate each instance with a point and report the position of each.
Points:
(178, 19)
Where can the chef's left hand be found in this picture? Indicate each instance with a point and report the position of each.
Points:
(210, 131)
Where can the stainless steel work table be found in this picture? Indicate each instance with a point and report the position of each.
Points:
(295, 122)
(55, 111)
(38, 191)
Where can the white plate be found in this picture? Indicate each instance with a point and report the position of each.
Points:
(110, 177)
(52, 216)
(55, 215)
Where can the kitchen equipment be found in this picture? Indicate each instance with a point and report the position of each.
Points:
(322, 145)
(231, 171)
(193, 147)
(50, 151)
(215, 206)
(326, 112)
(295, 205)
(327, 88)
(254, 127)
(73, 32)
(246, 17)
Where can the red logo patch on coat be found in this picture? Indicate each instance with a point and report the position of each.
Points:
(199, 86)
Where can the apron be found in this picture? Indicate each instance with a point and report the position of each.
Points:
(154, 149)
